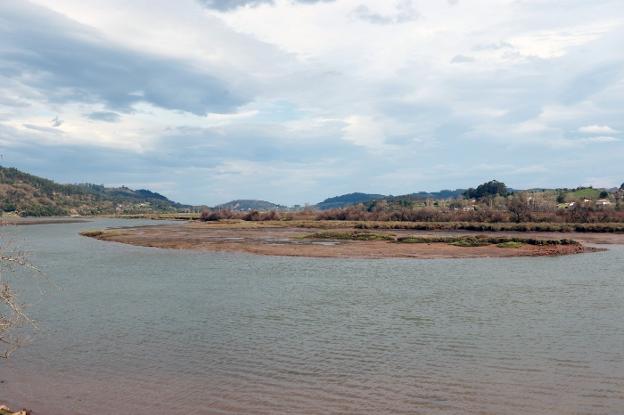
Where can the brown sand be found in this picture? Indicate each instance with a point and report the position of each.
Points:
(267, 239)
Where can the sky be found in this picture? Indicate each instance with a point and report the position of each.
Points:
(294, 101)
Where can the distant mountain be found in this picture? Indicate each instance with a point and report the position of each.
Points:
(347, 200)
(29, 195)
(245, 205)
(366, 198)
(442, 194)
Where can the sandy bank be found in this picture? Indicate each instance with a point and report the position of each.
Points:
(283, 240)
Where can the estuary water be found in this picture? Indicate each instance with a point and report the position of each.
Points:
(125, 329)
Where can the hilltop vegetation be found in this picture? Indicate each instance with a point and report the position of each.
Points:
(347, 200)
(247, 205)
(492, 203)
(351, 199)
(492, 188)
(29, 195)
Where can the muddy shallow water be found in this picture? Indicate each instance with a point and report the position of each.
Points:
(158, 331)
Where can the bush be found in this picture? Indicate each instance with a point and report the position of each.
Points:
(216, 215)
(256, 216)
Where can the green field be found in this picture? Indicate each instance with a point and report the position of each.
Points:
(588, 193)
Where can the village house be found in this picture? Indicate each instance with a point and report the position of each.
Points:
(603, 202)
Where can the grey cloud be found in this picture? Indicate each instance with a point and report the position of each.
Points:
(69, 63)
(186, 155)
(41, 129)
(13, 103)
(56, 122)
(462, 59)
(592, 81)
(107, 116)
(272, 143)
(226, 5)
(495, 46)
(405, 12)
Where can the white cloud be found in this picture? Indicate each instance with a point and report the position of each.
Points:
(548, 44)
(597, 129)
(317, 90)
(600, 139)
(364, 131)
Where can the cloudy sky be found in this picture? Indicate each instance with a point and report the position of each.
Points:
(296, 100)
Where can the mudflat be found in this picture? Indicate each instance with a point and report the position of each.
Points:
(312, 239)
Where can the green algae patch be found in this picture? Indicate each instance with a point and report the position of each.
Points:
(351, 236)
(469, 241)
(510, 244)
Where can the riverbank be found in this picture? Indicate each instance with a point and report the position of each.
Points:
(335, 240)
(17, 220)
(4, 410)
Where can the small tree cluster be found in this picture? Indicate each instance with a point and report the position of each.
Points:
(490, 189)
(215, 215)
(255, 215)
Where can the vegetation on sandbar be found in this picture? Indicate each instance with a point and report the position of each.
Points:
(352, 236)
(463, 240)
(483, 240)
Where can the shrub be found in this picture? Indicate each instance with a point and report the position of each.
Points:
(215, 215)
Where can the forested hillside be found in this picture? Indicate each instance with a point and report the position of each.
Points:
(246, 205)
(29, 195)
(347, 200)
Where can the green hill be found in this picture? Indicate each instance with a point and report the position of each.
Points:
(29, 195)
(584, 193)
(366, 198)
(347, 200)
(245, 205)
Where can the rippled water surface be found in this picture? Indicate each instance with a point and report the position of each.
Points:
(151, 331)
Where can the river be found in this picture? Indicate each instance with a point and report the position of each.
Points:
(151, 331)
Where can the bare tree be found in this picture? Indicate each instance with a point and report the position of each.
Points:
(518, 206)
(12, 316)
